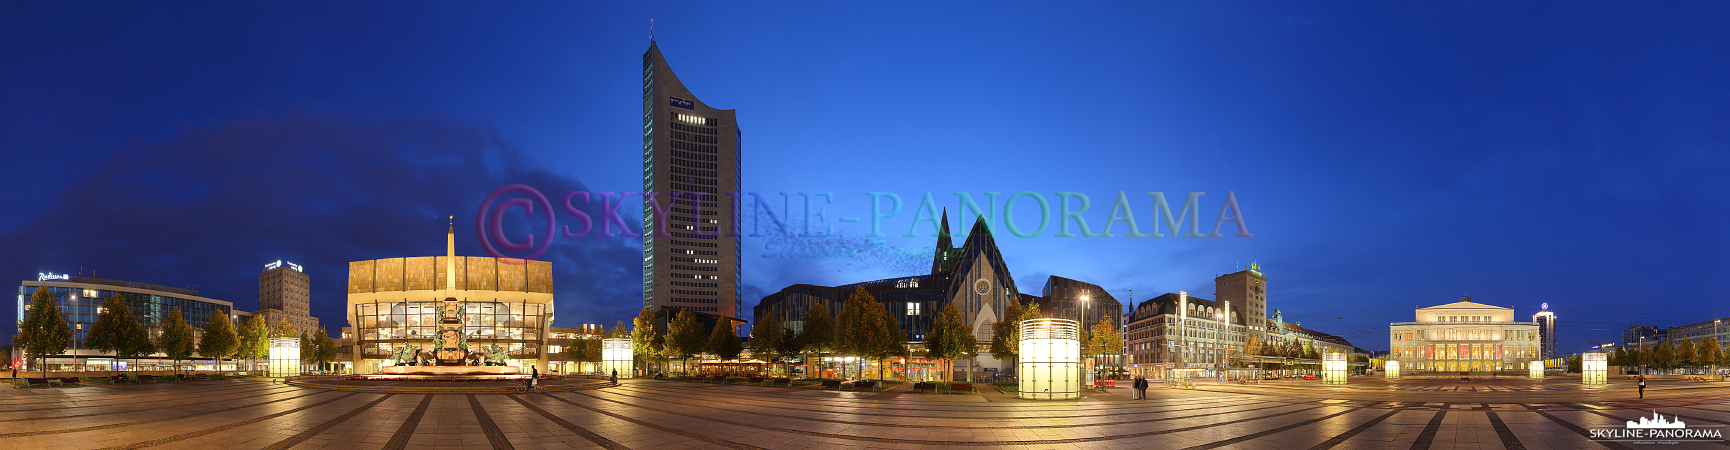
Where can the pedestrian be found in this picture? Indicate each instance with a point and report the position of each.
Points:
(534, 376)
(1642, 386)
(1140, 388)
(615, 377)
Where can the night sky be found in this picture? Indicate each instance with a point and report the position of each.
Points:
(1386, 156)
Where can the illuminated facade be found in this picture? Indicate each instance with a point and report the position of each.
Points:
(1464, 336)
(80, 298)
(506, 302)
(693, 150)
(285, 292)
(1546, 321)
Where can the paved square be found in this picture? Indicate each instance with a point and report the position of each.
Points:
(1406, 414)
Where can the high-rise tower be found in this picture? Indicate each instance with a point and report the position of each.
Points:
(1546, 320)
(285, 292)
(1247, 292)
(692, 151)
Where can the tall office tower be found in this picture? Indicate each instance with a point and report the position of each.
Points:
(1546, 331)
(1247, 292)
(691, 150)
(285, 292)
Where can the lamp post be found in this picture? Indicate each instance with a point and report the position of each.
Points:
(1084, 331)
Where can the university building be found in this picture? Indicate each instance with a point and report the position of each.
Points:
(973, 277)
(80, 298)
(1464, 336)
(692, 151)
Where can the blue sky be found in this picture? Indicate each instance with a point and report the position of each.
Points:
(1385, 156)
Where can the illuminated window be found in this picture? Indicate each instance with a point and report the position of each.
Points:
(912, 309)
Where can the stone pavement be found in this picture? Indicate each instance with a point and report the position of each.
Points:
(644, 414)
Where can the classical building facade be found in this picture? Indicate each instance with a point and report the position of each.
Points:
(80, 298)
(690, 177)
(507, 302)
(285, 292)
(1464, 336)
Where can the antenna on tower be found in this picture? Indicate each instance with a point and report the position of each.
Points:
(651, 28)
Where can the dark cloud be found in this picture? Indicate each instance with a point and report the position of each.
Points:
(211, 205)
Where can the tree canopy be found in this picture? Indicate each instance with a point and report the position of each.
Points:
(176, 339)
(44, 330)
(219, 340)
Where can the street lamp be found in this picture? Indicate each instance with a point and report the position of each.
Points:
(1082, 319)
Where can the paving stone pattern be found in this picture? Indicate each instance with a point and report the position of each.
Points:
(646, 414)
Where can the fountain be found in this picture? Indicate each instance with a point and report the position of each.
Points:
(449, 353)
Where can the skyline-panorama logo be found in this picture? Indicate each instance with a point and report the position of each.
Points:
(1658, 430)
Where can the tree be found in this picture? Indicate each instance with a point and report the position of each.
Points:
(876, 335)
(176, 340)
(284, 329)
(253, 340)
(723, 343)
(1685, 354)
(107, 333)
(135, 340)
(684, 338)
(219, 340)
(950, 339)
(859, 329)
(44, 330)
(1620, 357)
(819, 334)
(1574, 364)
(580, 350)
(766, 338)
(790, 347)
(324, 347)
(646, 337)
(1103, 340)
(1664, 356)
(1709, 353)
(308, 350)
(1006, 334)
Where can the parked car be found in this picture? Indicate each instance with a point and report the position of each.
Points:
(1309, 377)
(1271, 377)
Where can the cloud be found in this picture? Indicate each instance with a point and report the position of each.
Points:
(209, 206)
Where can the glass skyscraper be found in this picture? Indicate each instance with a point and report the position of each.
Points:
(690, 180)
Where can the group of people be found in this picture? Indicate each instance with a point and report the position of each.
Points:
(1138, 389)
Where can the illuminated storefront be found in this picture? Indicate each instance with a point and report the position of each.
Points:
(1464, 337)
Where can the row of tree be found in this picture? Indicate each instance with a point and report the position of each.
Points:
(1666, 356)
(864, 329)
(117, 331)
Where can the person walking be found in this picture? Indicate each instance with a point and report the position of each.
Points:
(1140, 387)
(615, 377)
(1642, 386)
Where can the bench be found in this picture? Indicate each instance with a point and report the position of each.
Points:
(34, 382)
(781, 382)
(722, 379)
(146, 379)
(71, 381)
(966, 387)
(830, 384)
(924, 386)
(864, 385)
(756, 380)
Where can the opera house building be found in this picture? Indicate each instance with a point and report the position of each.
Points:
(499, 309)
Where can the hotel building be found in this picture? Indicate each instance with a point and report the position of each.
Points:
(285, 292)
(395, 301)
(1464, 336)
(1546, 321)
(690, 150)
(80, 298)
(1177, 330)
